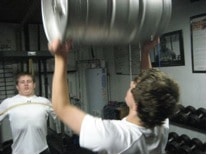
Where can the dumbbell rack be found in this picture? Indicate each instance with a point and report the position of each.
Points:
(182, 144)
(187, 123)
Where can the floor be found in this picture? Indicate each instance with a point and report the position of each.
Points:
(58, 144)
(64, 144)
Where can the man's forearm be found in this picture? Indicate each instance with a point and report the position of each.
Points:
(60, 92)
(145, 60)
(145, 56)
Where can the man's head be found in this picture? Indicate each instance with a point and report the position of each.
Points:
(25, 84)
(156, 95)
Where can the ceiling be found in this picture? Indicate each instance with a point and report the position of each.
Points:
(20, 11)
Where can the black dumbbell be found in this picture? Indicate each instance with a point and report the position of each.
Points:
(203, 148)
(171, 137)
(175, 145)
(198, 118)
(192, 147)
(182, 117)
(180, 108)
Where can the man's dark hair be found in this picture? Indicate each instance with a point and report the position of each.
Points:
(23, 74)
(156, 95)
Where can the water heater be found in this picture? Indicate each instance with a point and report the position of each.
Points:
(96, 90)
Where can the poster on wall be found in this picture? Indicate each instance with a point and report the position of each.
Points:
(170, 51)
(198, 43)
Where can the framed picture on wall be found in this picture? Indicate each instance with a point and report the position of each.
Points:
(170, 51)
(198, 43)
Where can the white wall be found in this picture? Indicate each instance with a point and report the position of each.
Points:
(192, 85)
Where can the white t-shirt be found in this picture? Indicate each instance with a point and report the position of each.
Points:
(28, 120)
(115, 136)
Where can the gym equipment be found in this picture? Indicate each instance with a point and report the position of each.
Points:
(203, 148)
(110, 112)
(7, 83)
(6, 147)
(180, 109)
(192, 147)
(198, 118)
(182, 117)
(115, 110)
(171, 137)
(21, 104)
(174, 146)
(105, 21)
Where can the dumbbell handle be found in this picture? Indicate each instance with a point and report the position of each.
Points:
(171, 139)
(200, 115)
(188, 148)
(187, 112)
(183, 116)
(178, 143)
(192, 147)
